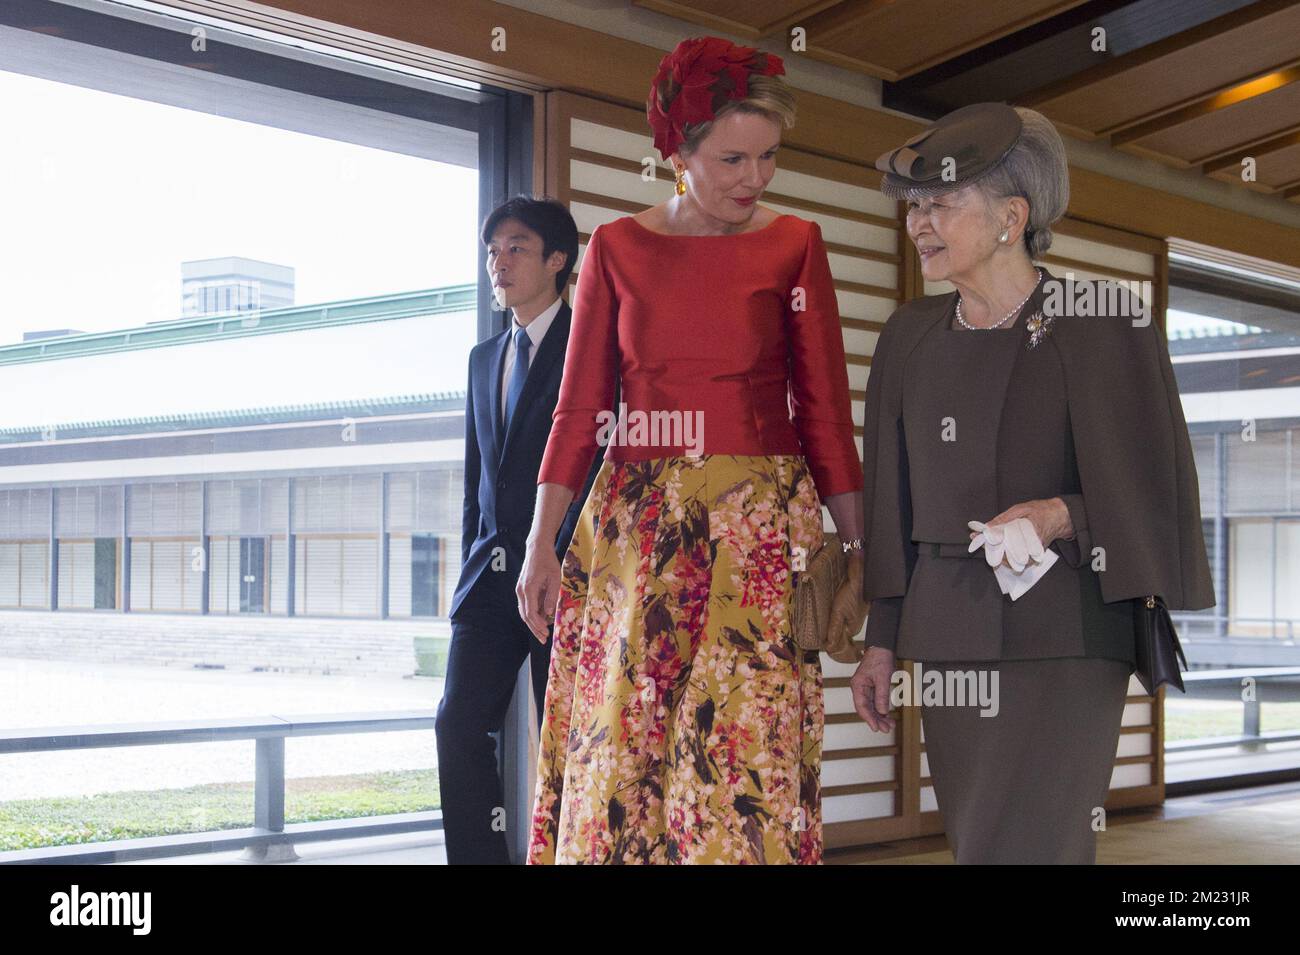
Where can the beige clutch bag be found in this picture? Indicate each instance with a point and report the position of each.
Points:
(814, 592)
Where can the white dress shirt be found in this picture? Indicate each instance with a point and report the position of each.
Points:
(536, 331)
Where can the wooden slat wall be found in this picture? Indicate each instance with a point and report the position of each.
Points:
(595, 157)
(876, 787)
(1091, 251)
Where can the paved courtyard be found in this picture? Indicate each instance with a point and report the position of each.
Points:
(53, 693)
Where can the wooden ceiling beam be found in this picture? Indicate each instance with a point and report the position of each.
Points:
(1246, 148)
(1235, 20)
(850, 14)
(843, 16)
(681, 10)
(834, 21)
(1229, 94)
(815, 16)
(975, 43)
(684, 11)
(1262, 148)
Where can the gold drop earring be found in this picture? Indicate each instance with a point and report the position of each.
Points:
(681, 183)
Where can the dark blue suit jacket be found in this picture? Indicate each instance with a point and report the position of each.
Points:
(501, 468)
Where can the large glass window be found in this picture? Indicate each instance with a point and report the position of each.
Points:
(1234, 339)
(242, 277)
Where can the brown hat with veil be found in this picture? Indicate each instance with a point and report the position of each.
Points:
(952, 152)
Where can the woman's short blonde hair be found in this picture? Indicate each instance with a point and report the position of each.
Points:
(768, 96)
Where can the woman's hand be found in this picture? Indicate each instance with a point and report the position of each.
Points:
(871, 686)
(538, 589)
(1050, 517)
(848, 609)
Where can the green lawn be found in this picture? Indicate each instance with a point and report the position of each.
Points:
(33, 823)
(1193, 719)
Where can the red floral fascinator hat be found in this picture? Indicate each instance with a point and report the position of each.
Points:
(696, 79)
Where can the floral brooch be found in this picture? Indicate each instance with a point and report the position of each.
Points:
(1040, 326)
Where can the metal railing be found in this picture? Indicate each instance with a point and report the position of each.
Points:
(1220, 626)
(1250, 731)
(269, 839)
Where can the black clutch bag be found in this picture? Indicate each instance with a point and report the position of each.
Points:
(1158, 649)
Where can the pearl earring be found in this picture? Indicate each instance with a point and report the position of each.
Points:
(1003, 236)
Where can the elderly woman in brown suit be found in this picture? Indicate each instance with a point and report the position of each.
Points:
(1016, 397)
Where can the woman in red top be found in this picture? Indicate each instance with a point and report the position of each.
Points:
(683, 723)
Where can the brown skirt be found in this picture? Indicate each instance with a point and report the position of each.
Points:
(1025, 786)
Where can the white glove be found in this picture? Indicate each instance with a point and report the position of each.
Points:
(1018, 542)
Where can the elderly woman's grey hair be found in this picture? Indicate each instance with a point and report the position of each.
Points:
(1035, 168)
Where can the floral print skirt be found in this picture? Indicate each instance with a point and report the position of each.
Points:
(683, 724)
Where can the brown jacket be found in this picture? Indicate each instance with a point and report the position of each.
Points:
(1090, 414)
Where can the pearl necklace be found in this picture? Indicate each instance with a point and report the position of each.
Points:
(984, 328)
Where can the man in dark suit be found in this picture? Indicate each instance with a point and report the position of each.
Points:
(514, 382)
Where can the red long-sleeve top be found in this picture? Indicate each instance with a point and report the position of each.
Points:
(744, 328)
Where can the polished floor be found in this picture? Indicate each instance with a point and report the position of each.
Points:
(1258, 825)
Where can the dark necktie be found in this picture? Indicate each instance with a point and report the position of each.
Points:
(518, 374)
